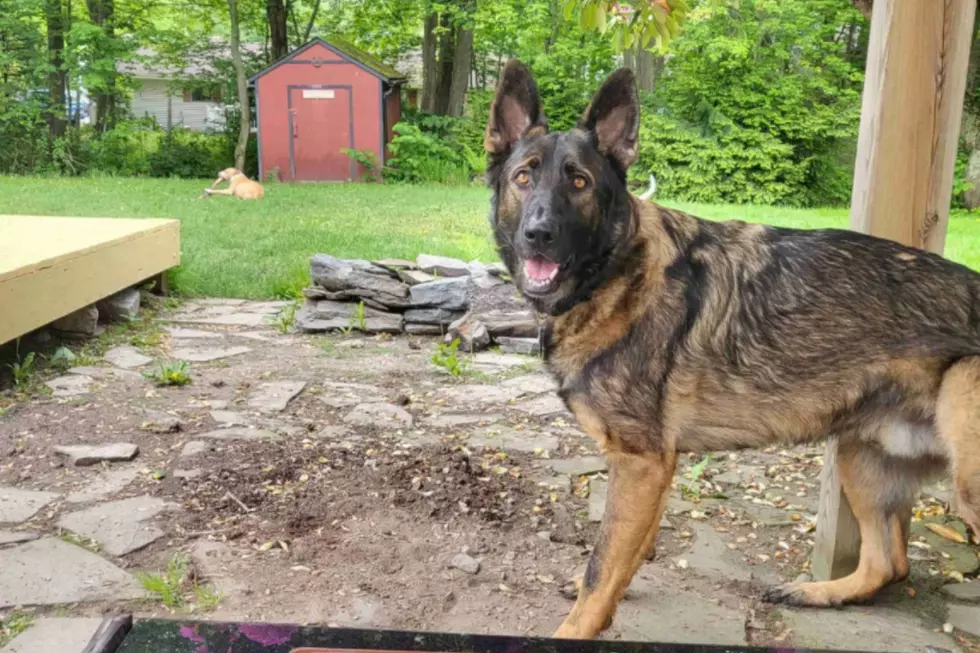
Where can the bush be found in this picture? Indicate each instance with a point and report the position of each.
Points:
(735, 165)
(125, 150)
(189, 155)
(432, 156)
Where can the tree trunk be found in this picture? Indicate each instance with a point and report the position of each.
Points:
(444, 70)
(646, 70)
(462, 61)
(970, 125)
(429, 73)
(312, 21)
(57, 77)
(279, 39)
(102, 13)
(236, 59)
(864, 6)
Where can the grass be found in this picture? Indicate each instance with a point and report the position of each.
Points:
(261, 250)
(176, 590)
(14, 624)
(170, 373)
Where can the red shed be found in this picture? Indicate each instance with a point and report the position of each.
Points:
(319, 100)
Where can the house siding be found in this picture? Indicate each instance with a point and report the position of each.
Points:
(151, 99)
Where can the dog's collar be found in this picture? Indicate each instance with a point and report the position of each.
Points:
(238, 174)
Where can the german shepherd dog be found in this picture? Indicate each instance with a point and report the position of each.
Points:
(672, 334)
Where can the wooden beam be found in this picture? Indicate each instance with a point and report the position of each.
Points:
(914, 85)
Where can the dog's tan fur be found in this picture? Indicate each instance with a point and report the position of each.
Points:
(670, 334)
(239, 185)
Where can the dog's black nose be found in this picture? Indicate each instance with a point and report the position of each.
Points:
(539, 233)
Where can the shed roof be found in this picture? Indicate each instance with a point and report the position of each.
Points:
(347, 51)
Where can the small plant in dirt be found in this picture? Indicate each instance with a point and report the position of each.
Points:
(285, 320)
(176, 588)
(78, 540)
(62, 359)
(170, 373)
(23, 370)
(14, 624)
(447, 358)
(692, 489)
(167, 585)
(358, 320)
(208, 597)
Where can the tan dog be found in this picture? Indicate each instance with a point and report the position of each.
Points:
(239, 186)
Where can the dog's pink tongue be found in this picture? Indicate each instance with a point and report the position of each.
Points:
(539, 268)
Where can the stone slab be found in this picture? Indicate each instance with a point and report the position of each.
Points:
(127, 357)
(965, 618)
(344, 395)
(453, 420)
(598, 491)
(481, 394)
(18, 505)
(710, 557)
(104, 485)
(580, 466)
(380, 415)
(157, 421)
(83, 455)
(520, 346)
(542, 406)
(55, 634)
(450, 294)
(878, 629)
(658, 610)
(508, 438)
(238, 433)
(232, 319)
(119, 526)
(207, 354)
(273, 397)
(963, 591)
(50, 572)
(229, 418)
(194, 448)
(180, 333)
(17, 537)
(442, 266)
(70, 385)
(492, 363)
(532, 384)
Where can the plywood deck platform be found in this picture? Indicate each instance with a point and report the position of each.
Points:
(53, 266)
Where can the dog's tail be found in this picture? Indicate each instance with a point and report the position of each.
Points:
(650, 191)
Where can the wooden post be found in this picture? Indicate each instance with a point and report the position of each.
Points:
(914, 85)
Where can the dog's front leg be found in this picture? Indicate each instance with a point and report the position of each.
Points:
(638, 484)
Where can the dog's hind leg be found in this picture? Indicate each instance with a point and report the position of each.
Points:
(880, 490)
(958, 425)
(638, 485)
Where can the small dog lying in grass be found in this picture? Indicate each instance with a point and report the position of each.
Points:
(239, 186)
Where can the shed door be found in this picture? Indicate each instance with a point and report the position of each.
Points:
(321, 126)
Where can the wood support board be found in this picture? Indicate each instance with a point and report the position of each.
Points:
(53, 266)
(918, 54)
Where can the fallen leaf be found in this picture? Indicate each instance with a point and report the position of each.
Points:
(947, 532)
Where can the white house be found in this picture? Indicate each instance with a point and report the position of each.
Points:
(159, 93)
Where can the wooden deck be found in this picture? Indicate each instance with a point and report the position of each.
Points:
(50, 267)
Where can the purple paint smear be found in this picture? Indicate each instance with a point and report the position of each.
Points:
(267, 635)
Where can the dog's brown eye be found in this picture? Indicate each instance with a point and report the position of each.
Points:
(522, 178)
(579, 182)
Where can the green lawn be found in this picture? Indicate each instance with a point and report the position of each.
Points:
(262, 249)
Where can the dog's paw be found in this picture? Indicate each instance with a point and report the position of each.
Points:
(801, 594)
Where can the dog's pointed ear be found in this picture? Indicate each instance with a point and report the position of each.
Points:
(516, 109)
(614, 117)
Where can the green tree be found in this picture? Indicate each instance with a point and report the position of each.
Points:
(775, 67)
